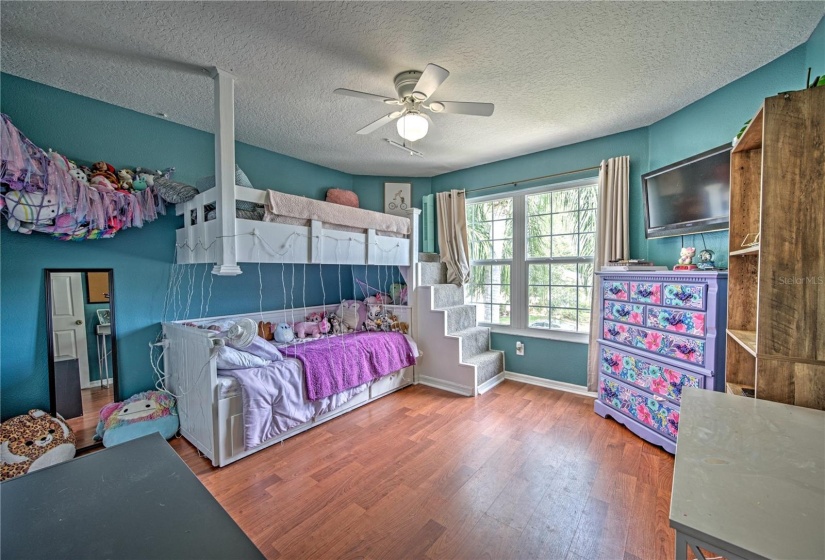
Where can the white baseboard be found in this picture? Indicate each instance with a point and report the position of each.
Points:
(550, 384)
(490, 383)
(445, 385)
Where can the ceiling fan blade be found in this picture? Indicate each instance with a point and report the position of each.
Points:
(372, 127)
(363, 95)
(462, 108)
(432, 77)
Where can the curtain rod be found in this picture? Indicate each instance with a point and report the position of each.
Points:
(531, 179)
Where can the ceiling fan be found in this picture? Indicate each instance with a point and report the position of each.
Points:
(414, 90)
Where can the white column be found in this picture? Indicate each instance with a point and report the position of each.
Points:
(227, 264)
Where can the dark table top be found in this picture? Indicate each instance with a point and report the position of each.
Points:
(136, 500)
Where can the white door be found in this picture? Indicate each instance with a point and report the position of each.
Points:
(69, 322)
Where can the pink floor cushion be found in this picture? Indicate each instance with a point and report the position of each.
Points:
(32, 441)
(139, 415)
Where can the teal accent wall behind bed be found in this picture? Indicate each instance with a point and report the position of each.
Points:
(142, 258)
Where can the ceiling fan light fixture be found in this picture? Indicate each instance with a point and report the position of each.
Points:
(418, 96)
(436, 107)
(412, 127)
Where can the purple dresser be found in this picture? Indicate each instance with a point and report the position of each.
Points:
(660, 332)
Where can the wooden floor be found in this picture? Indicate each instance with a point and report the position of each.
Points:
(84, 427)
(519, 472)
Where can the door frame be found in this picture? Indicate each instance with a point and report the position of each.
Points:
(49, 327)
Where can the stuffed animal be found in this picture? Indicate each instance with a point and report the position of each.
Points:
(283, 333)
(149, 175)
(265, 330)
(127, 178)
(105, 170)
(352, 313)
(139, 185)
(686, 255)
(79, 176)
(324, 326)
(102, 184)
(373, 321)
(379, 299)
(336, 325)
(29, 210)
(59, 160)
(306, 329)
(139, 415)
(321, 320)
(33, 441)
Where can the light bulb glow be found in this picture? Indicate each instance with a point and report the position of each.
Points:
(412, 127)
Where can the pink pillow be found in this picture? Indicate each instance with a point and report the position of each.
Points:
(344, 197)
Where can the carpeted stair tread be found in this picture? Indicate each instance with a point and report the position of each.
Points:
(460, 317)
(474, 341)
(488, 364)
(447, 295)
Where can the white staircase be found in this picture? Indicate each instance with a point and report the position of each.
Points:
(456, 353)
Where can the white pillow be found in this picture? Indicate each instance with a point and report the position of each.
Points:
(230, 358)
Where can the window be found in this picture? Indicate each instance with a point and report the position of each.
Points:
(542, 279)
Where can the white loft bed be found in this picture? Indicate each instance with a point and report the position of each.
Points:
(228, 240)
(214, 423)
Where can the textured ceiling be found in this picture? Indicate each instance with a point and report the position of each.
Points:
(558, 72)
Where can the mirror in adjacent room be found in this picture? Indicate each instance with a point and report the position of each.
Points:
(82, 347)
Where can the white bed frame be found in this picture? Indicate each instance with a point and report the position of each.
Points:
(215, 425)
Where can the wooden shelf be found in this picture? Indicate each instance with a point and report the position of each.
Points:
(752, 137)
(746, 251)
(746, 339)
(736, 389)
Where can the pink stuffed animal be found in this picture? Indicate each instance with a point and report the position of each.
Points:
(306, 329)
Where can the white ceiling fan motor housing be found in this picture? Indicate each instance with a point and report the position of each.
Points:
(405, 83)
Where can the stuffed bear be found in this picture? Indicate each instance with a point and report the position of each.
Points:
(33, 441)
(265, 330)
(283, 333)
(27, 210)
(105, 170)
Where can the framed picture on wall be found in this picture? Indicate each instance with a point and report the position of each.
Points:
(397, 198)
(97, 287)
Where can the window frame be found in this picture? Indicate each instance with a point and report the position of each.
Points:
(519, 264)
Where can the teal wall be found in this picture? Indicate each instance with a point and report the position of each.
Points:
(815, 55)
(90, 130)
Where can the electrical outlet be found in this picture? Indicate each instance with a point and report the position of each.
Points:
(519, 348)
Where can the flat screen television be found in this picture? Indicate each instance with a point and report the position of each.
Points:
(689, 196)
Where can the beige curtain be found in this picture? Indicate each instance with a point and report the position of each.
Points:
(612, 242)
(452, 236)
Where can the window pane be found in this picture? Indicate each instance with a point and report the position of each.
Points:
(500, 315)
(539, 317)
(503, 249)
(564, 319)
(538, 204)
(566, 200)
(539, 225)
(587, 221)
(566, 222)
(584, 320)
(500, 294)
(588, 196)
(539, 295)
(564, 246)
(585, 295)
(482, 250)
(539, 274)
(562, 297)
(587, 245)
(563, 274)
(585, 274)
(538, 246)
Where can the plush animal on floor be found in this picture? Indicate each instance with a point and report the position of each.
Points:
(353, 313)
(26, 210)
(283, 333)
(686, 255)
(32, 441)
(139, 415)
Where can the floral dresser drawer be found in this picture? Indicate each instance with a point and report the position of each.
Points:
(624, 312)
(666, 344)
(685, 295)
(615, 290)
(676, 320)
(646, 374)
(655, 413)
(646, 292)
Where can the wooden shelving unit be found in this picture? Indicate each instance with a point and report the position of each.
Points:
(775, 334)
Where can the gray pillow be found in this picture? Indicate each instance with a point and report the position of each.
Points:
(174, 192)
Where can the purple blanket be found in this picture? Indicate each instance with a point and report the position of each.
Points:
(334, 364)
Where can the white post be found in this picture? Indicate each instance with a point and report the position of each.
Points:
(412, 280)
(227, 264)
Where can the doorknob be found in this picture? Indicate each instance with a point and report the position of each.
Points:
(78, 322)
